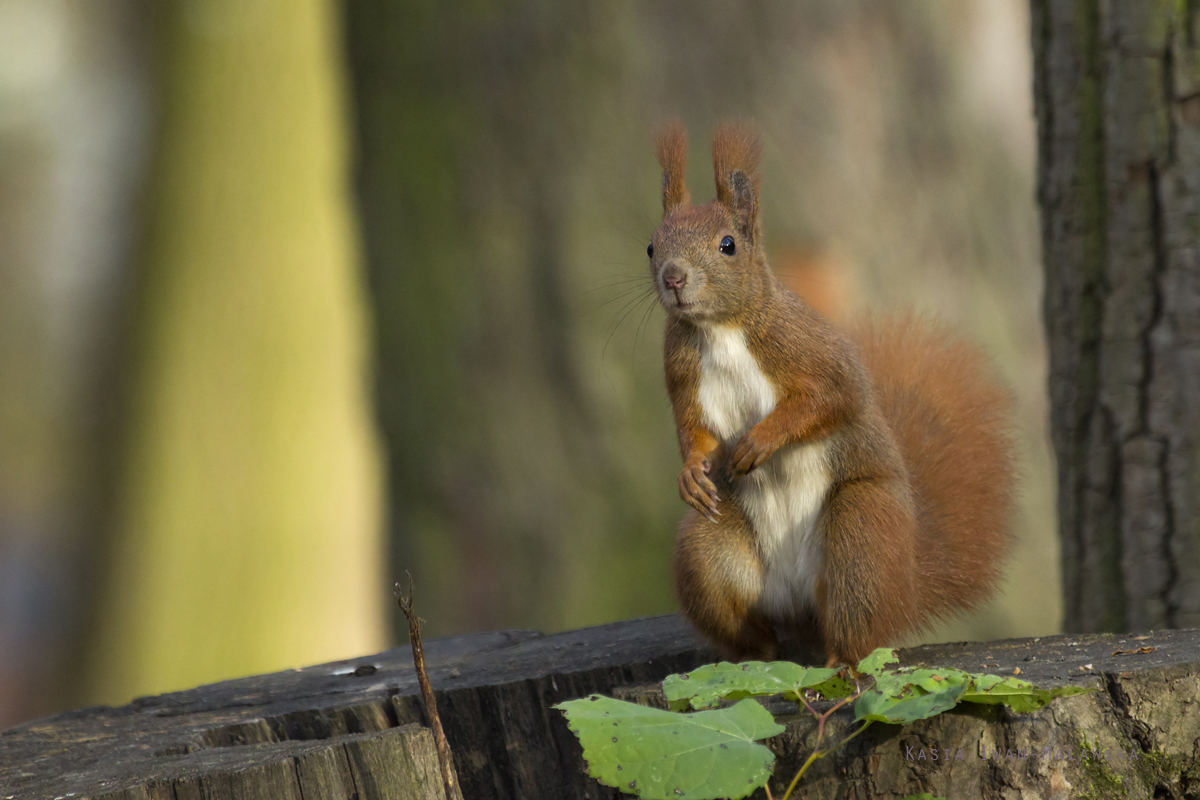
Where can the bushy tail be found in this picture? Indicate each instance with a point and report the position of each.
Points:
(952, 420)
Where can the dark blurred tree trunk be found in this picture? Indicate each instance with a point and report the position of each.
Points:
(471, 122)
(1117, 91)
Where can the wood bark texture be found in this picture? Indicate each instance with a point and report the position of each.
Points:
(355, 731)
(1117, 91)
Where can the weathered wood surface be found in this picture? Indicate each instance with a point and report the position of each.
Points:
(353, 729)
(342, 730)
(1117, 89)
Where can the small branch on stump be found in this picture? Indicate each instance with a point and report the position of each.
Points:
(435, 722)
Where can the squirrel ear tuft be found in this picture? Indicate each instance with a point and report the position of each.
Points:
(672, 156)
(736, 151)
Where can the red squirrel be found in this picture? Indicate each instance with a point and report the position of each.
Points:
(859, 486)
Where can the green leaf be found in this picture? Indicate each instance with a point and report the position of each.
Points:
(985, 682)
(706, 686)
(909, 694)
(900, 682)
(877, 660)
(1021, 696)
(910, 706)
(662, 754)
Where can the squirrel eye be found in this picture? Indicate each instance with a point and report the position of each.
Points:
(650, 249)
(727, 246)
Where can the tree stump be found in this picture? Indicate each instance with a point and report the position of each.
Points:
(355, 729)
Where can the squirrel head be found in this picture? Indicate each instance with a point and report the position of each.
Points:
(707, 261)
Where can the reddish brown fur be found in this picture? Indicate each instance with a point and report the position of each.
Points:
(736, 153)
(915, 523)
(951, 419)
(735, 147)
(672, 157)
(707, 557)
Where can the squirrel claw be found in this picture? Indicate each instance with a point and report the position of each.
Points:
(748, 456)
(697, 490)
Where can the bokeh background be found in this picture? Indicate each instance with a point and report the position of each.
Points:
(299, 295)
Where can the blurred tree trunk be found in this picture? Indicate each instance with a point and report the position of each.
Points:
(74, 118)
(248, 524)
(1117, 88)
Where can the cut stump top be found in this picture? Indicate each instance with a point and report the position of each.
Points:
(355, 728)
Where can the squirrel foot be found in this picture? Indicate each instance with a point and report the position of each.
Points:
(749, 455)
(697, 489)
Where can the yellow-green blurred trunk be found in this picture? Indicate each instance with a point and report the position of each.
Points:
(248, 525)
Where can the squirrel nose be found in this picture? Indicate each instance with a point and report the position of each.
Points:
(674, 276)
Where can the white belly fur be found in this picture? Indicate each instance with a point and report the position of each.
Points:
(781, 499)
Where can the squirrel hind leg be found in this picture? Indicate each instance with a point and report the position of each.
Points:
(802, 642)
(866, 593)
(718, 579)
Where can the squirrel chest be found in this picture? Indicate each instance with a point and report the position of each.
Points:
(782, 499)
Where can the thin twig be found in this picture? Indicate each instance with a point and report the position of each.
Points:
(821, 754)
(864, 726)
(435, 722)
(821, 719)
(796, 779)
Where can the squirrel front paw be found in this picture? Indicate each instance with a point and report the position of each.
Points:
(696, 489)
(749, 455)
